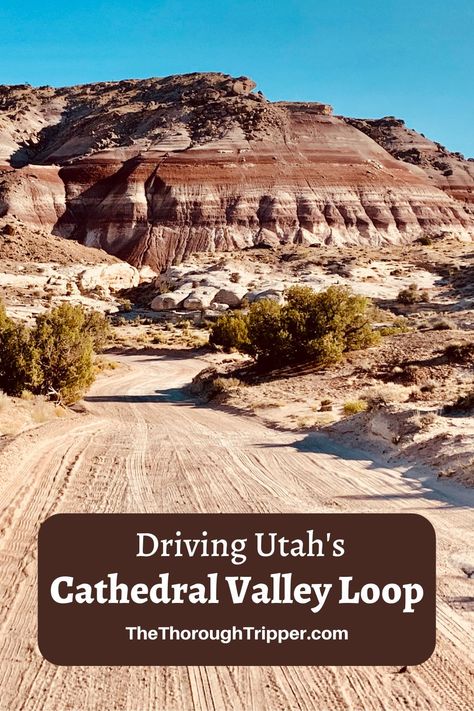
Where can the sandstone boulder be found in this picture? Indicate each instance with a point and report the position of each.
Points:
(267, 238)
(200, 298)
(243, 85)
(146, 274)
(171, 300)
(219, 307)
(272, 294)
(231, 295)
(167, 302)
(112, 277)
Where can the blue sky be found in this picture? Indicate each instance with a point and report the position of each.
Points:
(410, 58)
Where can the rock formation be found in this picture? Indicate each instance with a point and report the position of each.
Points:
(157, 169)
(447, 170)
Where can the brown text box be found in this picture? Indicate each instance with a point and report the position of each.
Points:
(284, 592)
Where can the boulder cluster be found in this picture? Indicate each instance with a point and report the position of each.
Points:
(213, 291)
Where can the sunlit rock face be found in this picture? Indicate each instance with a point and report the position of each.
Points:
(157, 169)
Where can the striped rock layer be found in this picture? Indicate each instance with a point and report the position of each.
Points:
(154, 170)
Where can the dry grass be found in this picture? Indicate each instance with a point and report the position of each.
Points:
(443, 324)
(27, 411)
(381, 395)
(43, 412)
(265, 404)
(353, 407)
(225, 385)
(104, 364)
(321, 420)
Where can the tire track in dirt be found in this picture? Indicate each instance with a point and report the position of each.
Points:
(138, 451)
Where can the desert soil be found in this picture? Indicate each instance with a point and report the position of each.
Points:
(143, 447)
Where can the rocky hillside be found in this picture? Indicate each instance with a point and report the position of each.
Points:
(154, 170)
(447, 170)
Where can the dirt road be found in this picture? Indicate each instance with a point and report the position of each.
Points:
(143, 448)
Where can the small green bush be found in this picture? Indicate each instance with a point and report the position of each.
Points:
(397, 327)
(309, 326)
(230, 332)
(19, 360)
(55, 356)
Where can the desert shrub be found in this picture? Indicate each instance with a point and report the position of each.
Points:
(125, 304)
(415, 394)
(96, 326)
(396, 327)
(5, 321)
(462, 353)
(425, 240)
(54, 356)
(412, 295)
(223, 385)
(267, 337)
(19, 359)
(102, 365)
(428, 419)
(309, 326)
(407, 374)
(66, 351)
(42, 411)
(442, 324)
(209, 383)
(353, 407)
(230, 332)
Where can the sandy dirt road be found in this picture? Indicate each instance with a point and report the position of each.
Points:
(144, 448)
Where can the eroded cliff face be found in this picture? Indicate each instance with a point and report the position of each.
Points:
(154, 170)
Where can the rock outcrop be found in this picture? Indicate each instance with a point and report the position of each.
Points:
(112, 277)
(154, 170)
(447, 170)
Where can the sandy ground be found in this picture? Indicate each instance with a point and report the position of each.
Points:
(144, 448)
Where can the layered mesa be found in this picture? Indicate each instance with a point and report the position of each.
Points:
(155, 170)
